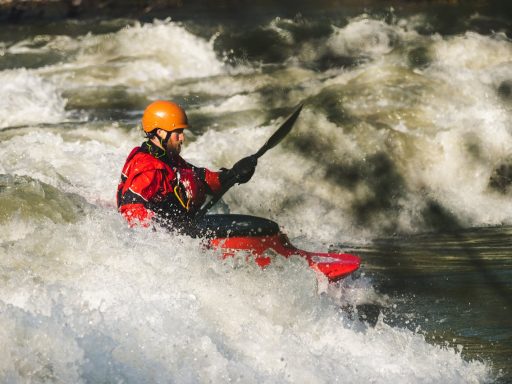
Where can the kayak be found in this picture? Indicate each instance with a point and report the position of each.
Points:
(262, 238)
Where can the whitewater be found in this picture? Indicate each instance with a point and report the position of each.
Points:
(402, 134)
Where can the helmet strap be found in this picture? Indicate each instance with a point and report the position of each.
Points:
(151, 134)
(164, 142)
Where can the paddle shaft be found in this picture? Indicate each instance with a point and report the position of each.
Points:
(275, 139)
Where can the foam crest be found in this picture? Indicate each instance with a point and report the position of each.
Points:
(94, 177)
(473, 130)
(41, 44)
(235, 103)
(365, 37)
(27, 203)
(26, 98)
(141, 56)
(473, 51)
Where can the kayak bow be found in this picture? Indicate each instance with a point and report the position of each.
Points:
(262, 238)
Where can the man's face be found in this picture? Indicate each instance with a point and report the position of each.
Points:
(175, 142)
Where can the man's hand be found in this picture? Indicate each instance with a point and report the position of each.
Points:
(241, 172)
(244, 169)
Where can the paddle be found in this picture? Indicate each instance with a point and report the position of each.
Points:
(275, 139)
(281, 132)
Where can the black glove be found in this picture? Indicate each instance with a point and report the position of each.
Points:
(241, 172)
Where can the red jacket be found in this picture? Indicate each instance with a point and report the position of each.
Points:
(146, 190)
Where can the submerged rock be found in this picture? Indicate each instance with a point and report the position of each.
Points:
(501, 178)
(505, 89)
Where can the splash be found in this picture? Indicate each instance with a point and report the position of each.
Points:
(123, 305)
(95, 176)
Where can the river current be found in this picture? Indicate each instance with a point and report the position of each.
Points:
(402, 155)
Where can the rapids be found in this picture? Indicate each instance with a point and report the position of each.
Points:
(402, 154)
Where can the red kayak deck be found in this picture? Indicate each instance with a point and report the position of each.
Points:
(333, 265)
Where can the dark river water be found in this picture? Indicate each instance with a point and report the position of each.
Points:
(402, 155)
(454, 286)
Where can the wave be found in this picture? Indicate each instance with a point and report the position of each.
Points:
(26, 98)
(143, 56)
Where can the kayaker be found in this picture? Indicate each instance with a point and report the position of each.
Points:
(158, 186)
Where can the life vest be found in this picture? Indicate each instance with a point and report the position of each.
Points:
(146, 191)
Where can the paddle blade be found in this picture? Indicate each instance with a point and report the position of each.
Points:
(281, 132)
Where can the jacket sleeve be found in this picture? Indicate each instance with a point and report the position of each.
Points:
(136, 214)
(212, 179)
(135, 200)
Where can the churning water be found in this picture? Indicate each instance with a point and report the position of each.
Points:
(402, 154)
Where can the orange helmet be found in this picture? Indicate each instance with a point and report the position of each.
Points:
(165, 115)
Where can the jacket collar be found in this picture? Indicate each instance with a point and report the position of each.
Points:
(155, 151)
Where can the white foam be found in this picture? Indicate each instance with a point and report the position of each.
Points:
(473, 126)
(26, 98)
(35, 348)
(117, 304)
(364, 36)
(444, 127)
(43, 44)
(15, 227)
(473, 51)
(235, 103)
(86, 163)
(142, 56)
